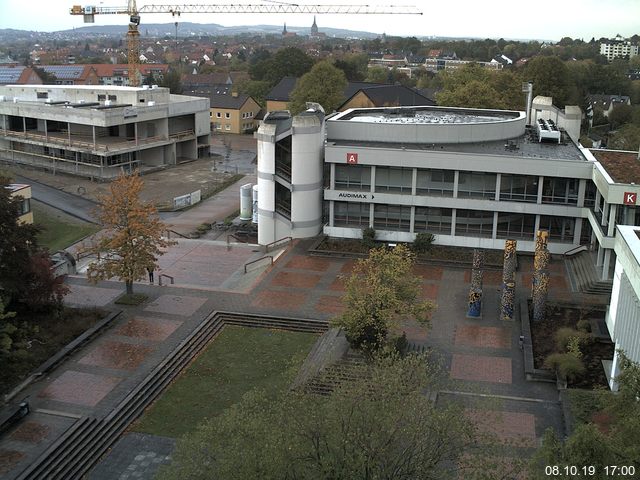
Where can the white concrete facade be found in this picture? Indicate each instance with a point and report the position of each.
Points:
(623, 314)
(96, 131)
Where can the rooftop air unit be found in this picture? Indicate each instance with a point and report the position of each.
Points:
(548, 131)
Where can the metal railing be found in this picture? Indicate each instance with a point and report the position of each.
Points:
(574, 250)
(169, 232)
(257, 260)
(277, 242)
(171, 280)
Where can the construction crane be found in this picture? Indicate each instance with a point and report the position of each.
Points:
(133, 35)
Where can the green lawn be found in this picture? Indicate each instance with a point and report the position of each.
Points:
(237, 361)
(58, 229)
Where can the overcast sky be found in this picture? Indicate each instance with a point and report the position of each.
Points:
(547, 20)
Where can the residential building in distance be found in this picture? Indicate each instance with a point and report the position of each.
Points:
(619, 47)
(233, 113)
(19, 75)
(22, 192)
(278, 96)
(606, 103)
(72, 74)
(96, 131)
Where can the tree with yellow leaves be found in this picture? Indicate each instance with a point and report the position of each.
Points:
(132, 240)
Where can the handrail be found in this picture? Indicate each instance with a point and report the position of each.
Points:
(257, 260)
(266, 247)
(575, 250)
(171, 280)
(169, 232)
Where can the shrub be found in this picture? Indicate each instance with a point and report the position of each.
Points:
(369, 237)
(584, 326)
(564, 335)
(423, 242)
(566, 365)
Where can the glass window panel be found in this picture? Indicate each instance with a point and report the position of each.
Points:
(474, 223)
(516, 225)
(347, 214)
(433, 220)
(519, 188)
(560, 228)
(477, 185)
(435, 182)
(394, 179)
(353, 177)
(392, 217)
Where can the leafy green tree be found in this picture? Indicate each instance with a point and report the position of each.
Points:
(625, 138)
(257, 89)
(354, 66)
(474, 86)
(381, 291)
(550, 77)
(620, 115)
(378, 75)
(324, 84)
(378, 426)
(618, 444)
(172, 81)
(289, 61)
(133, 240)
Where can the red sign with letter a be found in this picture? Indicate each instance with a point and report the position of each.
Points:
(630, 198)
(352, 158)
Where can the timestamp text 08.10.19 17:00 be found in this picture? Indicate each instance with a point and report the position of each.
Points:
(613, 471)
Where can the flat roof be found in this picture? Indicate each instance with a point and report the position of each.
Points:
(426, 115)
(14, 187)
(622, 166)
(83, 87)
(521, 146)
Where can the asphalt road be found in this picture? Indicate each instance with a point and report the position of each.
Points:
(74, 205)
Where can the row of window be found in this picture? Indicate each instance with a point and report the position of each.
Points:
(517, 188)
(228, 114)
(471, 223)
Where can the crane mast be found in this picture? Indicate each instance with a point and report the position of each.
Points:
(133, 35)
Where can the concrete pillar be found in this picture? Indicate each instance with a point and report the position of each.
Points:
(540, 287)
(69, 132)
(582, 189)
(331, 212)
(453, 222)
(605, 264)
(46, 130)
(93, 132)
(456, 179)
(475, 290)
(332, 178)
(540, 185)
(24, 126)
(613, 210)
(373, 181)
(135, 132)
(412, 218)
(498, 181)
(414, 183)
(600, 255)
(577, 231)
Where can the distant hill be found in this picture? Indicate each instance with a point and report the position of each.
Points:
(189, 28)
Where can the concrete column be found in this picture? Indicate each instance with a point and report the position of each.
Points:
(600, 256)
(135, 131)
(46, 130)
(332, 182)
(605, 214)
(577, 231)
(540, 185)
(494, 230)
(582, 189)
(453, 222)
(24, 126)
(371, 215)
(414, 184)
(536, 226)
(69, 132)
(498, 182)
(605, 264)
(613, 211)
(456, 178)
(412, 218)
(373, 181)
(93, 132)
(331, 208)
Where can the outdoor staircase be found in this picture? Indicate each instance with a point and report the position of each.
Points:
(583, 275)
(348, 369)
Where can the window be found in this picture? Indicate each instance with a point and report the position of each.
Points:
(347, 214)
(42, 95)
(102, 97)
(432, 220)
(25, 206)
(560, 228)
(353, 177)
(227, 127)
(113, 98)
(392, 217)
(283, 201)
(477, 185)
(519, 188)
(227, 115)
(518, 226)
(435, 182)
(394, 179)
(474, 223)
(560, 190)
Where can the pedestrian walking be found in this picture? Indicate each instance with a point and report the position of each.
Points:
(150, 270)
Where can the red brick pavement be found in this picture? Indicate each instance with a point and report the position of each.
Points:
(156, 329)
(302, 262)
(338, 284)
(295, 280)
(79, 388)
(9, 459)
(489, 277)
(118, 355)
(477, 336)
(30, 432)
(430, 291)
(414, 331)
(481, 368)
(515, 428)
(556, 282)
(347, 267)
(330, 304)
(428, 272)
(278, 299)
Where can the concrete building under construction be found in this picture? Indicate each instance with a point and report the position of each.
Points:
(97, 131)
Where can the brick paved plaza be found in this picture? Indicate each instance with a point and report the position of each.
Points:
(481, 356)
